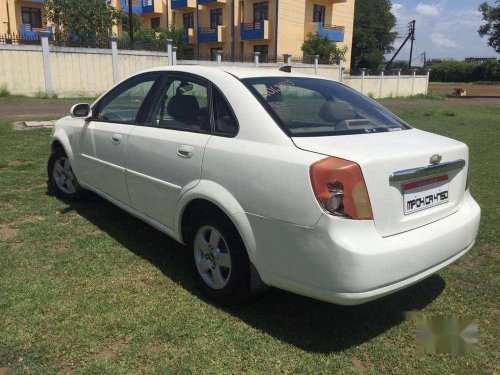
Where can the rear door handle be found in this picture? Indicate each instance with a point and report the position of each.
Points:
(185, 151)
(116, 138)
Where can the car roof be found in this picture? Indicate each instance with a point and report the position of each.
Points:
(239, 72)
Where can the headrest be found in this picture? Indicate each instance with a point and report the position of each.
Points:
(282, 110)
(336, 111)
(183, 107)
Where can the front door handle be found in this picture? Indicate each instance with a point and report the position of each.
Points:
(116, 138)
(185, 151)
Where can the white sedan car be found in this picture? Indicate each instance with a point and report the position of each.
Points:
(273, 178)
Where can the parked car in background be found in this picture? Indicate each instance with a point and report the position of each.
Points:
(273, 178)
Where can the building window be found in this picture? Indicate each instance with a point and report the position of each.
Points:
(32, 17)
(155, 23)
(188, 20)
(264, 52)
(260, 12)
(215, 18)
(319, 13)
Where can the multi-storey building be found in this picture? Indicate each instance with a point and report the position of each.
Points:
(237, 27)
(272, 27)
(22, 17)
(27, 17)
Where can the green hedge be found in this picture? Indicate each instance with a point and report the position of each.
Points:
(457, 71)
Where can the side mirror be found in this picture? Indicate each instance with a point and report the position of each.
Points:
(81, 110)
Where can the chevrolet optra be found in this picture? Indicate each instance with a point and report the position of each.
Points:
(273, 178)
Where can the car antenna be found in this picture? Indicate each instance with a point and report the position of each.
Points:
(286, 68)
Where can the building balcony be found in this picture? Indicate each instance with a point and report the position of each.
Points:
(209, 35)
(31, 33)
(140, 6)
(183, 4)
(334, 33)
(189, 37)
(208, 2)
(254, 30)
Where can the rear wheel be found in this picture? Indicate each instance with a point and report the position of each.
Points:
(62, 180)
(220, 261)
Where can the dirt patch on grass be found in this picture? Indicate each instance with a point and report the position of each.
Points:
(112, 351)
(472, 90)
(29, 219)
(490, 249)
(4, 370)
(8, 233)
(18, 163)
(358, 365)
(31, 188)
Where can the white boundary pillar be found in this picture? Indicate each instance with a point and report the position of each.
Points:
(114, 58)
(47, 72)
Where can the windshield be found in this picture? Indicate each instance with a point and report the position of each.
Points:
(308, 107)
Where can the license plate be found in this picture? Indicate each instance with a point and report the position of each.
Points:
(420, 195)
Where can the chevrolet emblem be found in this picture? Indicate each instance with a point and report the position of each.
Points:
(435, 159)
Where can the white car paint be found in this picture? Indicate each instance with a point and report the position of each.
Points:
(260, 179)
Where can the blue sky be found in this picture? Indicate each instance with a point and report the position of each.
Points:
(445, 28)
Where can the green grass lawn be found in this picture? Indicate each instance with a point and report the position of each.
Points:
(87, 288)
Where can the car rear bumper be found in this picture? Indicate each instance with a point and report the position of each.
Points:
(348, 262)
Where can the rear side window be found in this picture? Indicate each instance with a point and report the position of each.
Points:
(123, 104)
(224, 119)
(183, 105)
(317, 107)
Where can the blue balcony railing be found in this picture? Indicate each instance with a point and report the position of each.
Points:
(254, 30)
(205, 2)
(188, 36)
(207, 34)
(27, 32)
(334, 33)
(139, 6)
(181, 4)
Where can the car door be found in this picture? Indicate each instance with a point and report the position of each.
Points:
(165, 155)
(102, 144)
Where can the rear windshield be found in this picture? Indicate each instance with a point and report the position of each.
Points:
(308, 107)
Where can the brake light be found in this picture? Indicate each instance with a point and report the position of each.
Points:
(340, 188)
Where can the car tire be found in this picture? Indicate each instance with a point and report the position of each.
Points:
(62, 180)
(219, 259)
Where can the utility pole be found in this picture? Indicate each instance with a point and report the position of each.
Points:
(130, 24)
(411, 36)
(425, 59)
(412, 33)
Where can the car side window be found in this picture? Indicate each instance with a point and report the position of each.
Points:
(224, 120)
(124, 103)
(183, 105)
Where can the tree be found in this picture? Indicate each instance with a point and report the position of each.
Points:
(86, 21)
(146, 38)
(491, 14)
(372, 38)
(327, 50)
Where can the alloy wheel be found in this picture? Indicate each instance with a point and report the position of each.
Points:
(212, 257)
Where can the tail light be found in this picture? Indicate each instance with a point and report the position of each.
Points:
(340, 188)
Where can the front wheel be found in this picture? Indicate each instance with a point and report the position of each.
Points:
(62, 180)
(220, 261)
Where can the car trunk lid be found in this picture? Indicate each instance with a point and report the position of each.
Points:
(398, 176)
